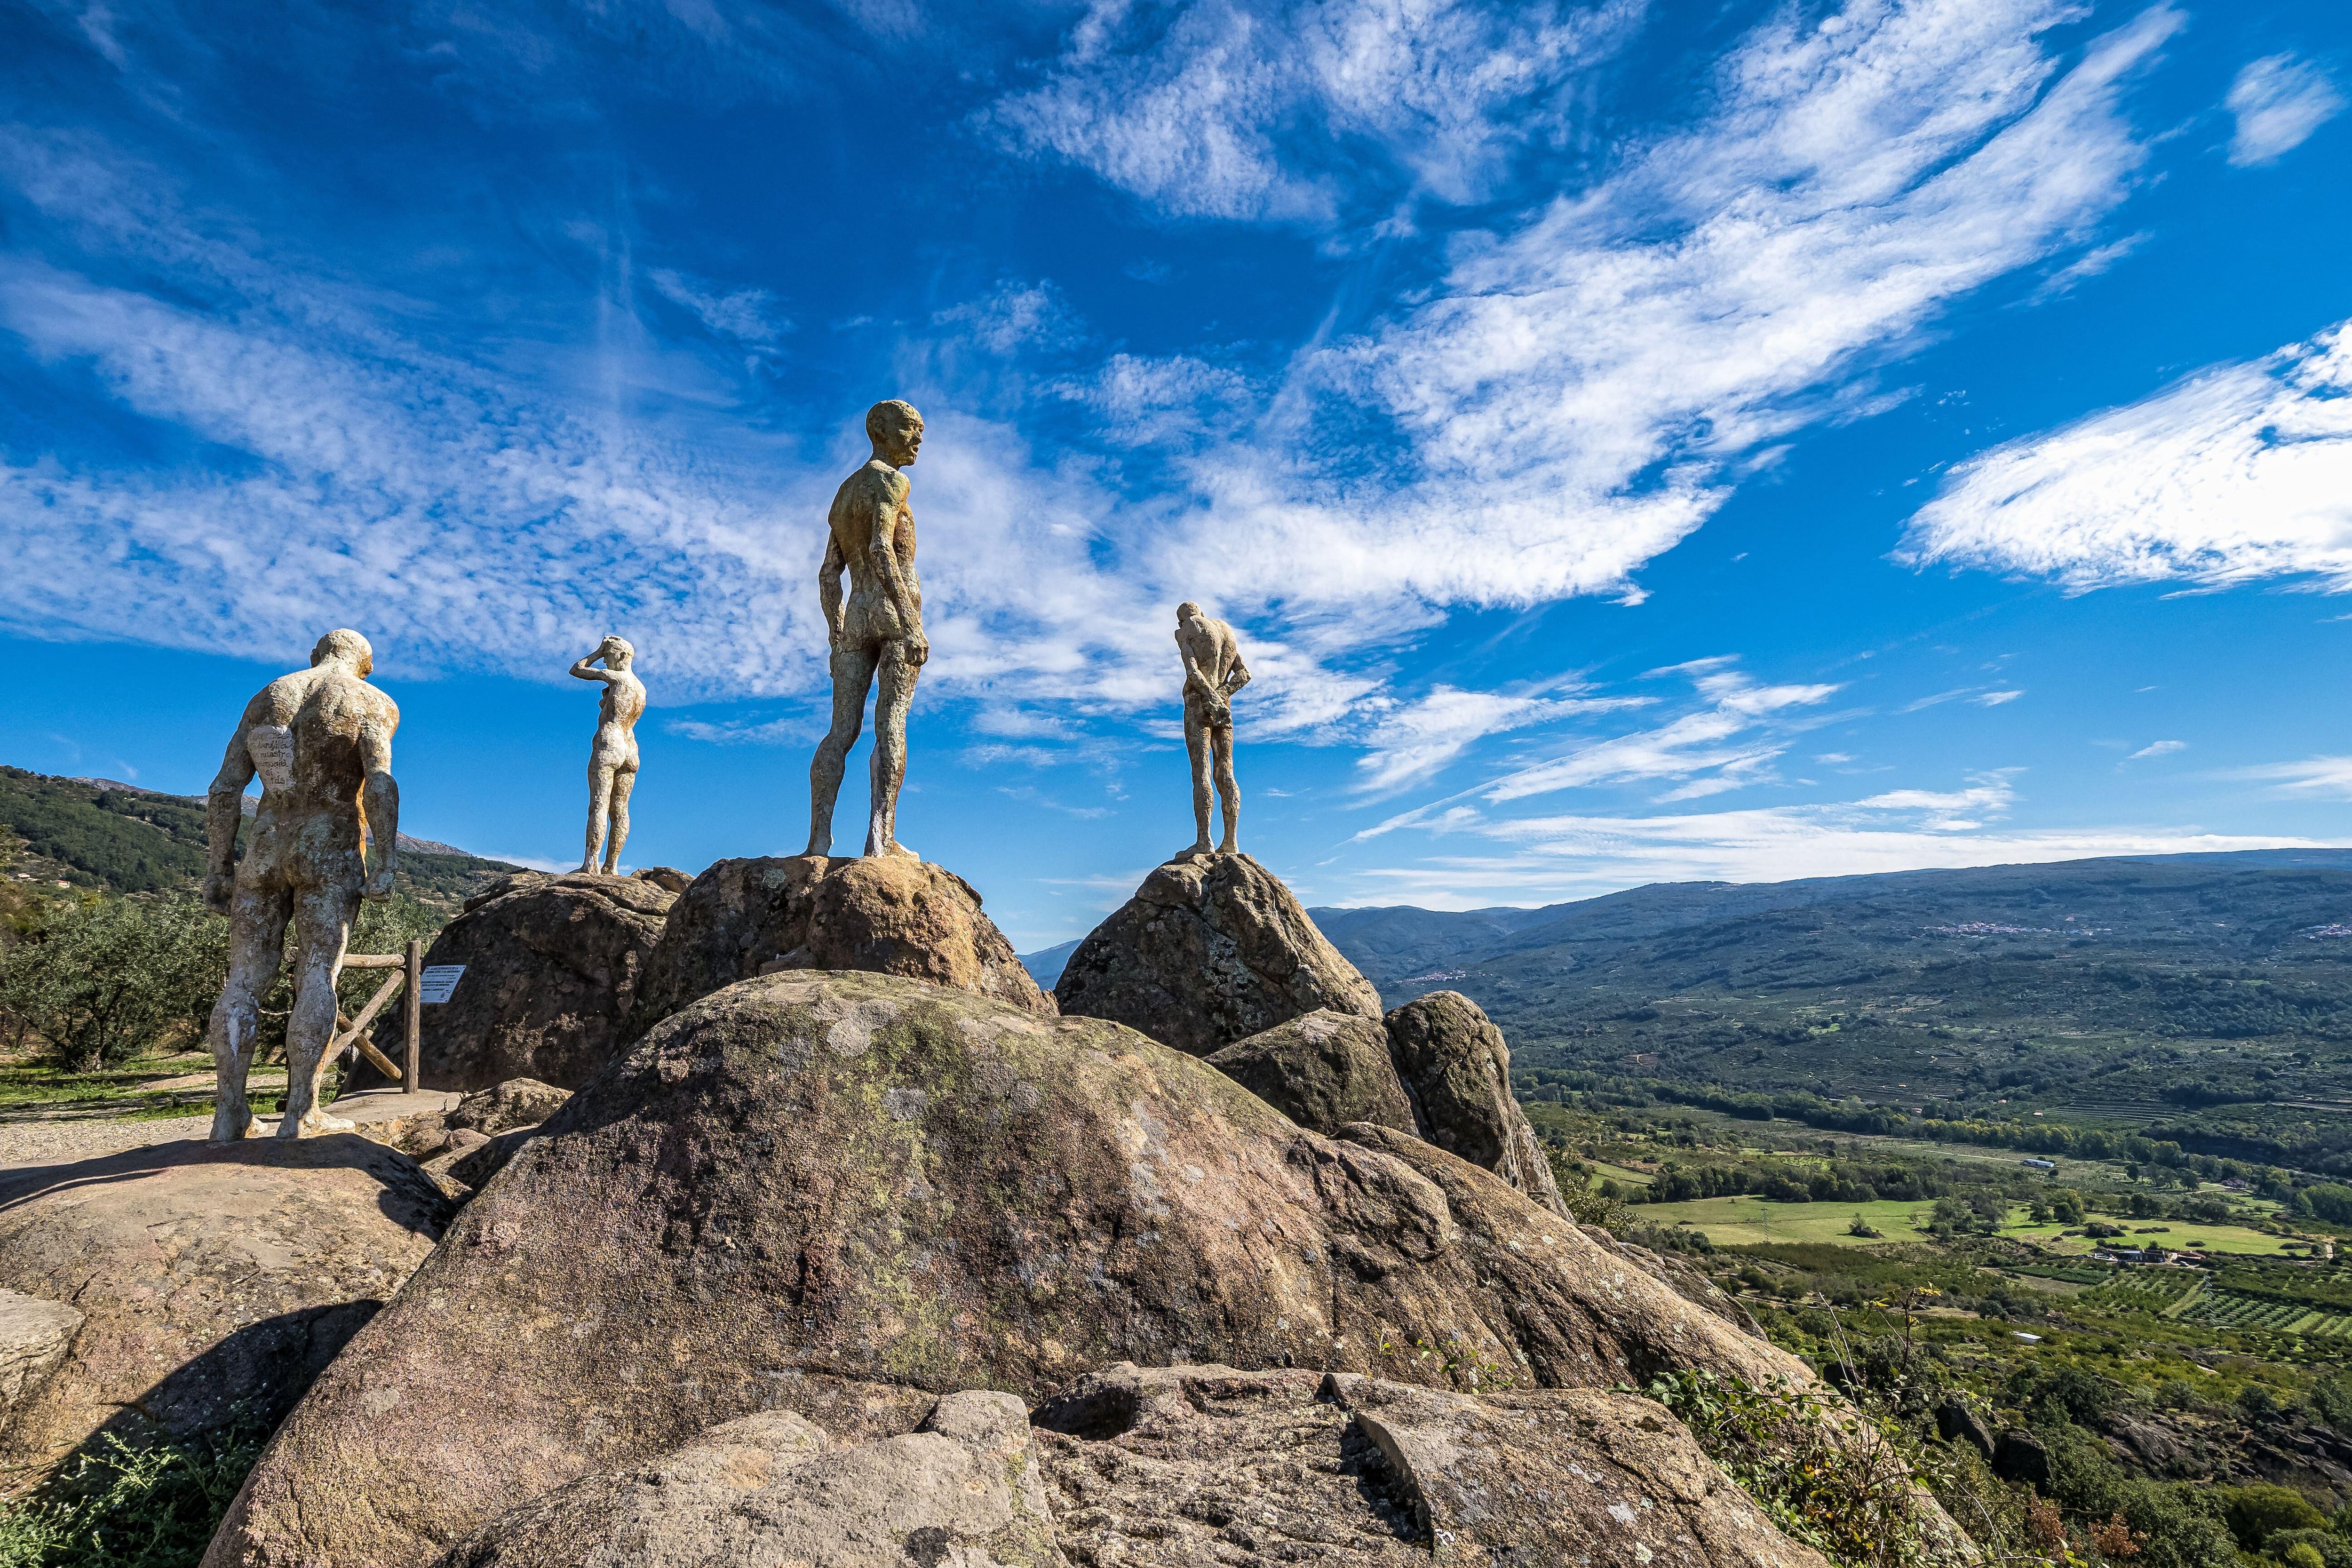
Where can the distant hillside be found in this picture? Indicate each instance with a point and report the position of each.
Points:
(2209, 994)
(97, 833)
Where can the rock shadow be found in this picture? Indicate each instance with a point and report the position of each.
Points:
(405, 1196)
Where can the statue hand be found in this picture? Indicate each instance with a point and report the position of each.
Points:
(918, 647)
(378, 888)
(220, 888)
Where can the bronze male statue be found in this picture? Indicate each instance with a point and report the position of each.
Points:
(321, 740)
(878, 632)
(1214, 671)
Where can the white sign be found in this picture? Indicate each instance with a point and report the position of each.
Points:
(440, 980)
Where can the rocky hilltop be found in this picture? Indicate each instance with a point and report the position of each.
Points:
(854, 1251)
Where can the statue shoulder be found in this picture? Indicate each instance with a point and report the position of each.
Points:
(878, 485)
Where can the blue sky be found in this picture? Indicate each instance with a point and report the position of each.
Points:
(1634, 441)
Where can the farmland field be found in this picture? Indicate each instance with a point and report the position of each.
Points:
(1751, 1221)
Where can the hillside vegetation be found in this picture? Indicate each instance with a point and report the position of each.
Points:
(2201, 1000)
(106, 837)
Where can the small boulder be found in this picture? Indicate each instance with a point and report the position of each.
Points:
(1211, 948)
(886, 915)
(552, 967)
(209, 1276)
(34, 1337)
(1457, 1071)
(770, 1490)
(1957, 1422)
(668, 878)
(518, 1102)
(1322, 1070)
(2020, 1456)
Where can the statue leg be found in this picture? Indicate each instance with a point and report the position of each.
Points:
(1196, 744)
(624, 780)
(322, 924)
(897, 694)
(257, 947)
(600, 800)
(1229, 789)
(852, 672)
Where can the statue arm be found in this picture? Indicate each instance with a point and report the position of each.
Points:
(884, 556)
(380, 801)
(1238, 677)
(224, 810)
(828, 586)
(584, 670)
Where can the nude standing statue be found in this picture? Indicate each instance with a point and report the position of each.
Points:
(321, 740)
(1214, 671)
(878, 632)
(613, 756)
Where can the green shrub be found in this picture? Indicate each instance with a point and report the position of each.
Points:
(126, 1506)
(110, 979)
(2259, 1511)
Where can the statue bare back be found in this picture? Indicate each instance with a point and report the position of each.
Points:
(320, 739)
(1214, 671)
(877, 634)
(613, 755)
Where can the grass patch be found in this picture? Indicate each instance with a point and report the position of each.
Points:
(132, 1506)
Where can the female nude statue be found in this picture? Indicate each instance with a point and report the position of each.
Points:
(612, 758)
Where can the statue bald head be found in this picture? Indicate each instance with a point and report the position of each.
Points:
(345, 646)
(896, 430)
(617, 652)
(1187, 611)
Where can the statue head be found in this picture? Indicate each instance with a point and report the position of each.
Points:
(615, 651)
(1187, 611)
(346, 647)
(896, 430)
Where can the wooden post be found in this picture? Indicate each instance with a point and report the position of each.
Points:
(414, 1024)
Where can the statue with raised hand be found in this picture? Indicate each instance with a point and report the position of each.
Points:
(320, 740)
(613, 756)
(876, 634)
(1214, 671)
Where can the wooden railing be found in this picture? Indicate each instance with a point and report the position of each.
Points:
(409, 979)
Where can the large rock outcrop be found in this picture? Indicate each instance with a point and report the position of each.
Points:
(890, 916)
(208, 1276)
(1211, 948)
(35, 1335)
(1323, 1071)
(553, 965)
(1457, 1071)
(1202, 1464)
(843, 1195)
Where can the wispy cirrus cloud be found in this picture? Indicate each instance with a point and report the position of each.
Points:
(2240, 472)
(2158, 749)
(2279, 101)
(1732, 741)
(2330, 778)
(1900, 830)
(1413, 740)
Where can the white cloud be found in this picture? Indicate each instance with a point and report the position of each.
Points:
(2159, 748)
(1229, 110)
(747, 315)
(2328, 776)
(1591, 372)
(2279, 101)
(1412, 740)
(1905, 830)
(1719, 741)
(1995, 698)
(2240, 472)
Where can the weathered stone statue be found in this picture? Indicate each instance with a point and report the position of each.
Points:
(1214, 671)
(612, 758)
(321, 740)
(880, 631)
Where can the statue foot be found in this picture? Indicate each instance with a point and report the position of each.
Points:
(314, 1124)
(1201, 848)
(230, 1123)
(820, 849)
(1228, 847)
(891, 849)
